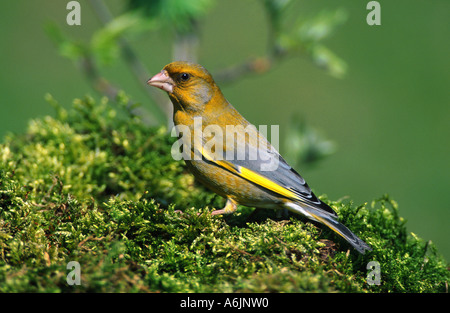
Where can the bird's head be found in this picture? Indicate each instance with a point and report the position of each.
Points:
(189, 85)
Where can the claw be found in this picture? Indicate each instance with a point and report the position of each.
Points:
(230, 207)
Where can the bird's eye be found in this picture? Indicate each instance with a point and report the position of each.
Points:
(184, 76)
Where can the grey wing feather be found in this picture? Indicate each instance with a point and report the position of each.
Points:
(279, 171)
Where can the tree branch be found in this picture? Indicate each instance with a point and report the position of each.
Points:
(103, 86)
(258, 65)
(137, 67)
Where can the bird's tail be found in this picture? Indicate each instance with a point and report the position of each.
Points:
(330, 221)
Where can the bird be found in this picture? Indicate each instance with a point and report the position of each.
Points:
(240, 165)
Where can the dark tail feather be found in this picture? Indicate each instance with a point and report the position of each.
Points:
(331, 222)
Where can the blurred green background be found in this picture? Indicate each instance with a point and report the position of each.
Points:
(389, 116)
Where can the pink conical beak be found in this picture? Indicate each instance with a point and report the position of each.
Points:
(163, 81)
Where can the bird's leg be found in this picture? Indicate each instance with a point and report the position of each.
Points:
(230, 207)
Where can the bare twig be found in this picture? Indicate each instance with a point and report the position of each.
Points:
(137, 67)
(252, 66)
(258, 65)
(185, 48)
(103, 86)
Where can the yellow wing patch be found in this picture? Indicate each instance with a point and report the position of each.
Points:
(253, 177)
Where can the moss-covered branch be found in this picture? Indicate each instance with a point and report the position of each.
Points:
(96, 186)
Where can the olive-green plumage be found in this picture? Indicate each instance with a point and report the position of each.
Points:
(261, 178)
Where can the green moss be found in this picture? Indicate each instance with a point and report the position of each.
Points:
(96, 186)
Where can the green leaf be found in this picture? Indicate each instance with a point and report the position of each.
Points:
(176, 14)
(104, 42)
(320, 26)
(325, 58)
(66, 47)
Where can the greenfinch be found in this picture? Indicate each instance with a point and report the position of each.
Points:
(240, 165)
